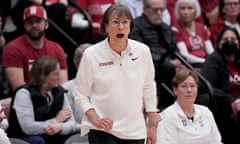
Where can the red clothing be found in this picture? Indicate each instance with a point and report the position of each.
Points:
(19, 53)
(208, 5)
(215, 28)
(171, 7)
(95, 8)
(234, 78)
(195, 44)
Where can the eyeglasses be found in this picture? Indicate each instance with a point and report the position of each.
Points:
(191, 86)
(231, 4)
(155, 10)
(116, 23)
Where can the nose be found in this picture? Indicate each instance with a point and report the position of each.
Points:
(120, 26)
(159, 12)
(189, 88)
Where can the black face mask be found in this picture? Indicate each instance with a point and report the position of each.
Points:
(229, 48)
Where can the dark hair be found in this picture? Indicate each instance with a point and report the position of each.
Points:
(221, 5)
(220, 35)
(220, 9)
(41, 68)
(182, 75)
(121, 10)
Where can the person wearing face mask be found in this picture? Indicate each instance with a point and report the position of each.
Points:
(222, 70)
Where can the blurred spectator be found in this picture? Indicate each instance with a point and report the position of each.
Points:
(96, 8)
(55, 9)
(150, 30)
(40, 112)
(4, 112)
(19, 54)
(229, 13)
(4, 107)
(4, 87)
(192, 37)
(210, 9)
(171, 5)
(136, 8)
(222, 70)
(5, 12)
(2, 40)
(69, 85)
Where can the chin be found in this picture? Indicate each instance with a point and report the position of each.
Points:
(56, 85)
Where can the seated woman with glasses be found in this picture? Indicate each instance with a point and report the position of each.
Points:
(229, 13)
(40, 112)
(193, 39)
(185, 122)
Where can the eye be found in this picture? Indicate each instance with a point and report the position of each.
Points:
(125, 22)
(191, 86)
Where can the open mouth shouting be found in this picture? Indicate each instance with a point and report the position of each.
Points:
(120, 35)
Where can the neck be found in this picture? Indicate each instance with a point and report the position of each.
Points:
(188, 110)
(187, 24)
(118, 47)
(232, 20)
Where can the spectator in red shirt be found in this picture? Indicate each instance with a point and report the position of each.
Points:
(229, 12)
(95, 8)
(192, 37)
(20, 53)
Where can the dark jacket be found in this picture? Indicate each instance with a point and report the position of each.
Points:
(159, 38)
(216, 72)
(42, 111)
(161, 41)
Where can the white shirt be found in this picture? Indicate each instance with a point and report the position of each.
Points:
(77, 111)
(176, 128)
(3, 137)
(117, 86)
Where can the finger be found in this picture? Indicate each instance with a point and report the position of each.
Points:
(107, 126)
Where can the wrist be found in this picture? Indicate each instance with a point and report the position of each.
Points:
(153, 124)
(153, 120)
